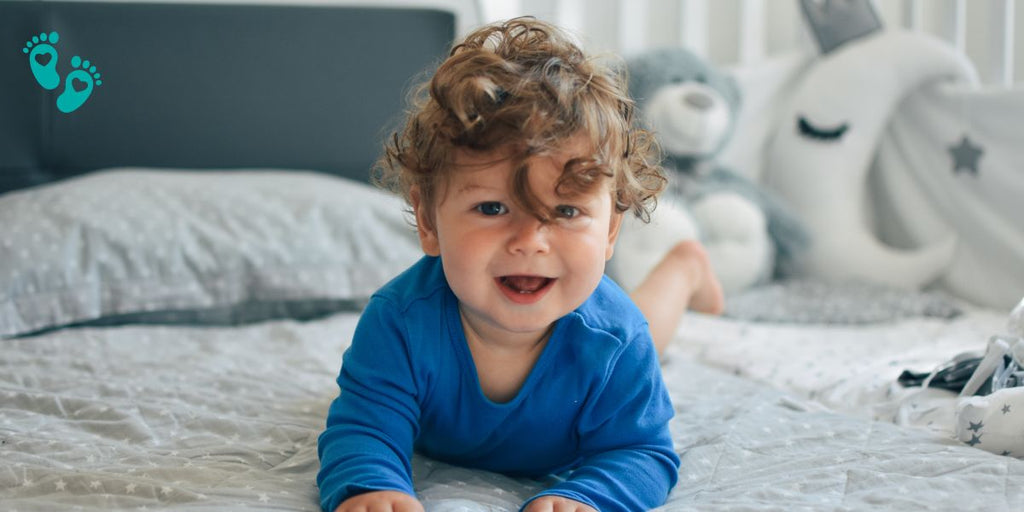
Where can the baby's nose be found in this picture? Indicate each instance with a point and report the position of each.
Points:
(530, 236)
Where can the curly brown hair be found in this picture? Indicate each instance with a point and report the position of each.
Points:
(525, 88)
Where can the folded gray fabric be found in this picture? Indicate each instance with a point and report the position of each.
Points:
(809, 301)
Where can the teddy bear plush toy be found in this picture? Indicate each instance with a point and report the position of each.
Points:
(692, 109)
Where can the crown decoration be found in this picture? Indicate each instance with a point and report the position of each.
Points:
(835, 22)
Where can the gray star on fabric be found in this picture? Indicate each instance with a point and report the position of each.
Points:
(976, 426)
(975, 439)
(1006, 408)
(965, 156)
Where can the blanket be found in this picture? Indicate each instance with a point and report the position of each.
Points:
(190, 418)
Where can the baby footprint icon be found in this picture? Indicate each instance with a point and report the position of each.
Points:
(42, 58)
(78, 85)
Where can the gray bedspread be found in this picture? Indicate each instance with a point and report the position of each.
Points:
(227, 418)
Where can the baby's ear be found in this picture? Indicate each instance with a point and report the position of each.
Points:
(613, 234)
(424, 224)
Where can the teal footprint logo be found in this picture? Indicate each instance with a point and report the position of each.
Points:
(78, 85)
(42, 59)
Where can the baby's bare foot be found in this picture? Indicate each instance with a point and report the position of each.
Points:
(682, 280)
(706, 293)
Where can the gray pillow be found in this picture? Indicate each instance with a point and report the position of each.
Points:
(132, 243)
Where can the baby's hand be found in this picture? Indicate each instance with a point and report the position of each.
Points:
(382, 501)
(557, 504)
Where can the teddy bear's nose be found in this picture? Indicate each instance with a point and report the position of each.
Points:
(699, 100)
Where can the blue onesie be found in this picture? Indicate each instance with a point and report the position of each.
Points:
(593, 405)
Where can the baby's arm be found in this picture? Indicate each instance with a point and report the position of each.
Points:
(367, 445)
(629, 461)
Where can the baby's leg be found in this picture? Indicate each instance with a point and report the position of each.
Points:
(682, 280)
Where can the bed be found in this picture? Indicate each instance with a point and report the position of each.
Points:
(184, 255)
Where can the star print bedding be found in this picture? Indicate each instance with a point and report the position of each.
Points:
(226, 418)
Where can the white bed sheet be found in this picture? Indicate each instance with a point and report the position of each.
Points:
(851, 369)
(227, 418)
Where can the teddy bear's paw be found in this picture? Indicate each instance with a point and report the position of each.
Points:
(739, 266)
(641, 246)
(728, 216)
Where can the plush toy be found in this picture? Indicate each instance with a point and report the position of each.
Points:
(819, 159)
(692, 108)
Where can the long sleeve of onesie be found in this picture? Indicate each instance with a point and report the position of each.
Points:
(628, 459)
(372, 423)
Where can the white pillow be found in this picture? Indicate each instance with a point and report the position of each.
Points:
(131, 241)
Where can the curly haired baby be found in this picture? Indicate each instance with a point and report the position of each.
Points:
(506, 348)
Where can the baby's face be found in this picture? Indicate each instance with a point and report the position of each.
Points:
(513, 274)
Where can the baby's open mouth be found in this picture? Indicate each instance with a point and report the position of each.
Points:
(525, 284)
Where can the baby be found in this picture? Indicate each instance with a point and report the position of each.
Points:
(506, 348)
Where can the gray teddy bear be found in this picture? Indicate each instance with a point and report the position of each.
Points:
(692, 108)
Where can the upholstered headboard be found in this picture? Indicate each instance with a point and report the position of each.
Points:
(187, 85)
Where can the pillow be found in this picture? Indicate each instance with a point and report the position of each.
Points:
(227, 246)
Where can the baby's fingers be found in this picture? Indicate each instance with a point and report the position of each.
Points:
(557, 504)
(381, 501)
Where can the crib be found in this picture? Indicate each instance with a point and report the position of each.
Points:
(747, 31)
(200, 223)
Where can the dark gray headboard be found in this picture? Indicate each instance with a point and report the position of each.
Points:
(188, 85)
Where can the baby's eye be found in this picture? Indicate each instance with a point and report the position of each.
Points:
(567, 212)
(491, 208)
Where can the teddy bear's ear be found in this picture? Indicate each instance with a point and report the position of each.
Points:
(638, 70)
